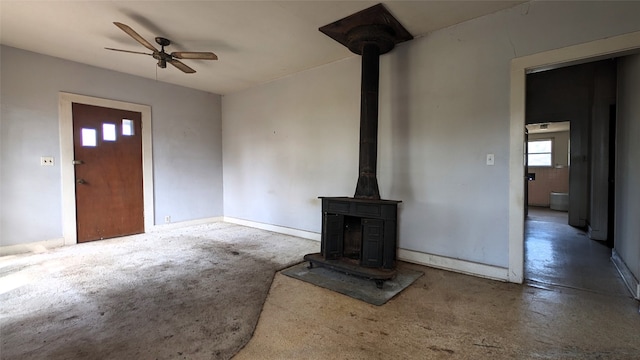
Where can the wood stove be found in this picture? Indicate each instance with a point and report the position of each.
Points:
(359, 234)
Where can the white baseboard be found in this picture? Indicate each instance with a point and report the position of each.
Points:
(34, 247)
(275, 228)
(181, 224)
(455, 265)
(627, 276)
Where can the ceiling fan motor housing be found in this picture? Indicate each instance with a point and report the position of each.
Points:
(162, 56)
(163, 41)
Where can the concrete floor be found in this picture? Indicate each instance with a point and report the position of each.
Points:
(557, 254)
(573, 306)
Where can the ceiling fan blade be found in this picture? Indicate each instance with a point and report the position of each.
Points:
(129, 51)
(194, 55)
(181, 66)
(136, 36)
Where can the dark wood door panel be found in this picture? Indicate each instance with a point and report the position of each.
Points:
(108, 172)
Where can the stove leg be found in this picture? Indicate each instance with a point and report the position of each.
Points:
(379, 284)
(310, 266)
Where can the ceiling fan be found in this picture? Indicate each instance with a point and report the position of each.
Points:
(163, 57)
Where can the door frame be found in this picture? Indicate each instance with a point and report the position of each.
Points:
(572, 55)
(65, 114)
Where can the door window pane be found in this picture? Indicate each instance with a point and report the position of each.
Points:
(127, 127)
(88, 137)
(109, 132)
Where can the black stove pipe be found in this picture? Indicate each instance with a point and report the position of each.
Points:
(367, 187)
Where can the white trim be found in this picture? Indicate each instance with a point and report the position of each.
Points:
(66, 157)
(275, 228)
(34, 247)
(178, 225)
(516, 176)
(455, 265)
(591, 51)
(627, 276)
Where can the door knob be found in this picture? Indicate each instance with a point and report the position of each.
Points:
(81, 181)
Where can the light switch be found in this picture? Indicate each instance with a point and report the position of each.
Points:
(490, 159)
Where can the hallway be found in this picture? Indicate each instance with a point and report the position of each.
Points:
(557, 254)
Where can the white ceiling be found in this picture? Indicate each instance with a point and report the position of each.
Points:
(256, 41)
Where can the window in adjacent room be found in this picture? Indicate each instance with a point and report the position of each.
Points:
(540, 153)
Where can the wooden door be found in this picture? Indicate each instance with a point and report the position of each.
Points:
(107, 147)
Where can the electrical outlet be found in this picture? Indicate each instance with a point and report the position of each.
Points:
(167, 219)
(46, 160)
(491, 159)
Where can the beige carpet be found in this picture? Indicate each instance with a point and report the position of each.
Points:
(190, 293)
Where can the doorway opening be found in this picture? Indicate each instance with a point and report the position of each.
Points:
(547, 165)
(568, 172)
(69, 208)
(615, 46)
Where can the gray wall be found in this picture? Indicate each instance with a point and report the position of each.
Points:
(604, 97)
(444, 105)
(187, 142)
(627, 227)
